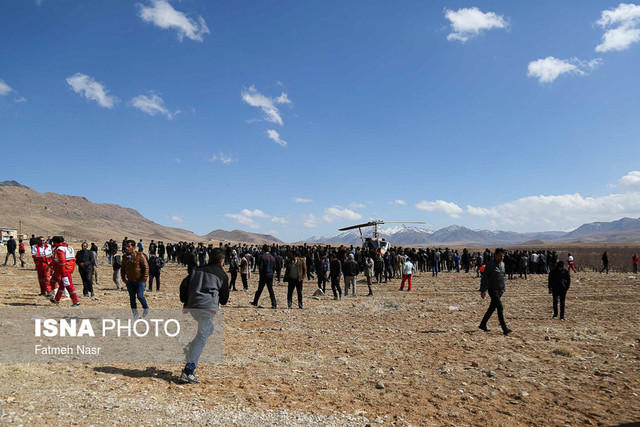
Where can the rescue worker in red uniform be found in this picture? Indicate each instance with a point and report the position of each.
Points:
(42, 256)
(64, 262)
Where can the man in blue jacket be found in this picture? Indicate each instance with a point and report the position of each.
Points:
(207, 287)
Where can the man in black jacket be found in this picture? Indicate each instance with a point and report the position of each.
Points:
(11, 250)
(86, 262)
(350, 271)
(267, 266)
(335, 271)
(208, 286)
(559, 282)
(493, 281)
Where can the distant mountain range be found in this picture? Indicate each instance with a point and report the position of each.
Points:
(77, 218)
(625, 230)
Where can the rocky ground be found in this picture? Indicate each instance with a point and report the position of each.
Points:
(399, 358)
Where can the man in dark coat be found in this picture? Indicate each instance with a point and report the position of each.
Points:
(493, 281)
(559, 282)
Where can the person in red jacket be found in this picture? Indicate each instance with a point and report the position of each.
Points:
(64, 262)
(635, 263)
(42, 257)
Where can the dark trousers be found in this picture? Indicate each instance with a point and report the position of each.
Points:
(388, 274)
(245, 285)
(151, 277)
(495, 304)
(86, 274)
(635, 268)
(6, 258)
(605, 268)
(335, 286)
(559, 295)
(523, 269)
(232, 282)
(322, 282)
(268, 281)
(297, 285)
(278, 273)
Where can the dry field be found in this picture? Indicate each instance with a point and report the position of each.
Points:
(395, 359)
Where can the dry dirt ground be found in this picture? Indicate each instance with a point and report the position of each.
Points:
(398, 358)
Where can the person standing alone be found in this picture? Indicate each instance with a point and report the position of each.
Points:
(559, 282)
(493, 282)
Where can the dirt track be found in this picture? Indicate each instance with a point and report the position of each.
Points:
(410, 358)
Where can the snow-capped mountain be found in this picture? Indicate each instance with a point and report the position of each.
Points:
(395, 234)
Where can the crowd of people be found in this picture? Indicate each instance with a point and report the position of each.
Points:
(212, 272)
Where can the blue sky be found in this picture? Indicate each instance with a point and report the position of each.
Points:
(296, 118)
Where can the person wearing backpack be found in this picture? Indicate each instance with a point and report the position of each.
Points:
(201, 292)
(155, 265)
(116, 263)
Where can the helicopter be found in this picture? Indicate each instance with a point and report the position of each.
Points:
(376, 243)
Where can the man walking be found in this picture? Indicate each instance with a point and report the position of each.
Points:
(605, 262)
(267, 266)
(42, 257)
(11, 250)
(135, 273)
(64, 262)
(335, 271)
(559, 282)
(493, 281)
(207, 286)
(294, 274)
(634, 259)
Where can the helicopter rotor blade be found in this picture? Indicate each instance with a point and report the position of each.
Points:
(368, 224)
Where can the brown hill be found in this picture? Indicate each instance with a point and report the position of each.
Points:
(240, 236)
(77, 218)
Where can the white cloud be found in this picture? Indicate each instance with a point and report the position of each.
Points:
(283, 99)
(301, 200)
(244, 220)
(268, 105)
(274, 135)
(467, 23)
(152, 105)
(246, 217)
(222, 158)
(20, 100)
(256, 213)
(623, 25)
(88, 87)
(176, 218)
(356, 205)
(178, 160)
(569, 209)
(449, 208)
(331, 214)
(399, 202)
(630, 181)
(548, 69)
(4, 88)
(310, 221)
(279, 220)
(336, 213)
(161, 14)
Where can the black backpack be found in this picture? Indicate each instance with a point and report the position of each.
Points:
(184, 290)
